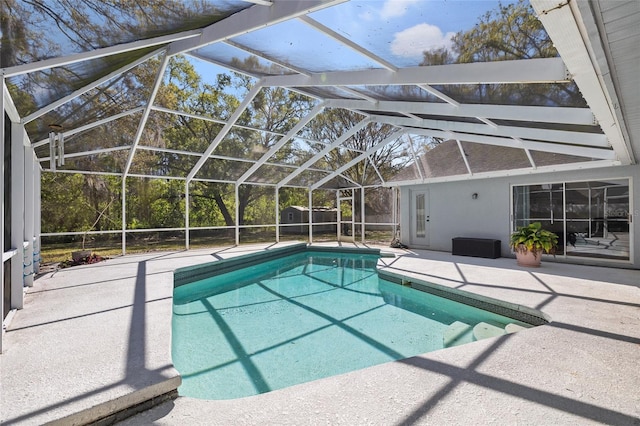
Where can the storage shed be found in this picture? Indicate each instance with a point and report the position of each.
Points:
(295, 219)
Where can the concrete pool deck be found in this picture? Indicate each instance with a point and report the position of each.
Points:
(96, 338)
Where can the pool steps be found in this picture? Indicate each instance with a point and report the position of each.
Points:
(460, 333)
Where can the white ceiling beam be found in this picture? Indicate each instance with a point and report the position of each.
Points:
(372, 164)
(97, 53)
(513, 172)
(145, 114)
(249, 20)
(286, 138)
(88, 153)
(356, 160)
(596, 140)
(546, 70)
(563, 23)
(415, 156)
(307, 165)
(7, 101)
(261, 2)
(225, 130)
(581, 116)
(84, 172)
(90, 126)
(213, 120)
(267, 57)
(85, 89)
(439, 94)
(580, 151)
(347, 42)
(464, 156)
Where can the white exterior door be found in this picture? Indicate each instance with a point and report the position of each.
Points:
(420, 218)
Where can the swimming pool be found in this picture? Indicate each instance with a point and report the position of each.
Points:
(265, 324)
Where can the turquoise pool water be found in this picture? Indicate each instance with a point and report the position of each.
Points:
(304, 317)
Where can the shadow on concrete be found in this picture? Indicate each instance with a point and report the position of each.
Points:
(137, 375)
(459, 376)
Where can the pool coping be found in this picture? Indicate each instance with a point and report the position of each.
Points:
(514, 311)
(189, 274)
(71, 349)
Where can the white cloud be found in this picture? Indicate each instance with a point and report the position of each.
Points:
(411, 42)
(395, 8)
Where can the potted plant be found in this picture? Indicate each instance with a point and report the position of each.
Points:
(529, 242)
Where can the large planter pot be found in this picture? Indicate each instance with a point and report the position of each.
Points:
(527, 258)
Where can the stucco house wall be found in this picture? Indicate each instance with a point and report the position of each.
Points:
(453, 212)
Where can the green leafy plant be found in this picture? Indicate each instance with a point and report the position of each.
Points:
(534, 239)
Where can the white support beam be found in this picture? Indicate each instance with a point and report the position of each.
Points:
(581, 116)
(347, 42)
(464, 156)
(90, 126)
(580, 151)
(270, 58)
(7, 101)
(513, 172)
(98, 53)
(311, 216)
(596, 140)
(346, 135)
(85, 89)
(564, 24)
(375, 168)
(225, 130)
(186, 214)
(249, 20)
(356, 160)
(37, 217)
(123, 192)
(29, 213)
(439, 94)
(87, 153)
(286, 138)
(2, 203)
(261, 2)
(213, 120)
(16, 204)
(415, 157)
(145, 115)
(277, 212)
(237, 214)
(546, 70)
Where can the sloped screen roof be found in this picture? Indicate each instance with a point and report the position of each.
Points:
(313, 94)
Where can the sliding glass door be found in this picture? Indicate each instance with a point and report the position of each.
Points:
(591, 218)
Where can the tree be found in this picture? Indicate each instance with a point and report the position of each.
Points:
(274, 111)
(509, 32)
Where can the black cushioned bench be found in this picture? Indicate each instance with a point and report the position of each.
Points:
(477, 247)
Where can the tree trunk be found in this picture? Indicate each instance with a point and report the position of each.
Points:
(223, 209)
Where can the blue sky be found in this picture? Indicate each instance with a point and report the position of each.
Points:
(404, 28)
(396, 30)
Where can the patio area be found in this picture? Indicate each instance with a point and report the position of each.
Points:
(93, 340)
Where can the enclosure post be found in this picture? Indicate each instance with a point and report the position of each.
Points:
(394, 213)
(237, 221)
(16, 204)
(277, 214)
(124, 215)
(2, 201)
(338, 217)
(310, 216)
(28, 234)
(362, 218)
(186, 214)
(37, 216)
